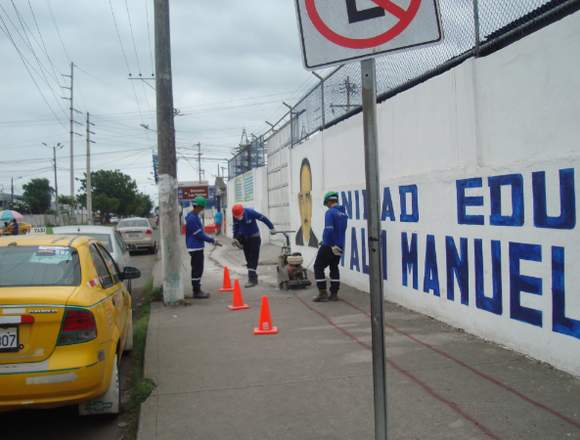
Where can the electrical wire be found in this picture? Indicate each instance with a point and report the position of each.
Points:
(149, 39)
(125, 57)
(42, 70)
(44, 47)
(56, 28)
(133, 37)
(6, 30)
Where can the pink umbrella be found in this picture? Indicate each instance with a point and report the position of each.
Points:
(9, 215)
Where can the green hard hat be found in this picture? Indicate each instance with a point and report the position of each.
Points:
(331, 195)
(200, 201)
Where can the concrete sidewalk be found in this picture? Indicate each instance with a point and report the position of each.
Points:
(215, 380)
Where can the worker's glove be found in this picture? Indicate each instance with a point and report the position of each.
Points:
(337, 251)
(217, 244)
(236, 244)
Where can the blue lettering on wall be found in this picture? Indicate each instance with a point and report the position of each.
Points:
(346, 198)
(413, 216)
(387, 212)
(523, 283)
(567, 217)
(516, 182)
(409, 260)
(431, 278)
(464, 201)
(458, 267)
(354, 260)
(561, 323)
(364, 244)
(493, 304)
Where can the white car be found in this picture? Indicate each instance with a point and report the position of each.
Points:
(137, 232)
(108, 236)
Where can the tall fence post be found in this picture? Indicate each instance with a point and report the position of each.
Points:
(322, 103)
(477, 26)
(291, 109)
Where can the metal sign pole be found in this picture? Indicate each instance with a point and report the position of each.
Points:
(369, 98)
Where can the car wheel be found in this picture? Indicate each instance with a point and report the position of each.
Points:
(108, 403)
(129, 340)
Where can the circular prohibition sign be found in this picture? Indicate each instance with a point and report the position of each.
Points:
(405, 18)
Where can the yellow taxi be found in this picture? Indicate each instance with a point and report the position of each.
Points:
(65, 321)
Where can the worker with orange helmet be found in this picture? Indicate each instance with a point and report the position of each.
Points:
(247, 235)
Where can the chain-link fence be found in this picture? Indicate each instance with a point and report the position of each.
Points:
(468, 26)
(248, 157)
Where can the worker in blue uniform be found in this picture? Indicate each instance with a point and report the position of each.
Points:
(196, 238)
(332, 248)
(247, 235)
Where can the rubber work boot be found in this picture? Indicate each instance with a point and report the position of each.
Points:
(321, 297)
(200, 295)
(251, 283)
(333, 296)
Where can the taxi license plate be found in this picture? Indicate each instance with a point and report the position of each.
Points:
(9, 339)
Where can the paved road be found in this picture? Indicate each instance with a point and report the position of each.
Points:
(63, 423)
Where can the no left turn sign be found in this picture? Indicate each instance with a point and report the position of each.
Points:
(340, 31)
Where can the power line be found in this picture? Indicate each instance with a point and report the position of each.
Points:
(76, 156)
(6, 30)
(149, 39)
(45, 49)
(125, 56)
(66, 54)
(42, 71)
(133, 37)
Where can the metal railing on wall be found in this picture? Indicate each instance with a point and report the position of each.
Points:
(471, 28)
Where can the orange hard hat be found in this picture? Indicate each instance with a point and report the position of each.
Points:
(237, 211)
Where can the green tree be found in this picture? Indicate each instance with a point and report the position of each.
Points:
(115, 193)
(65, 200)
(142, 205)
(37, 195)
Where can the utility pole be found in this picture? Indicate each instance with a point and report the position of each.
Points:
(72, 132)
(58, 146)
(168, 212)
(199, 161)
(89, 183)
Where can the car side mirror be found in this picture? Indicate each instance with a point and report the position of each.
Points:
(130, 273)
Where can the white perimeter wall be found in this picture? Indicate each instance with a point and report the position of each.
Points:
(514, 113)
(253, 194)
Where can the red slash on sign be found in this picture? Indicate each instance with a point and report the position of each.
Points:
(405, 18)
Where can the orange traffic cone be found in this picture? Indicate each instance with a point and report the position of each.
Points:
(237, 300)
(265, 324)
(227, 284)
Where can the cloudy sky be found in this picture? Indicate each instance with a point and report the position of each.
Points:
(234, 62)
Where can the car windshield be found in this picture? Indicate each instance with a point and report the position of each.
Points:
(133, 224)
(39, 266)
(104, 239)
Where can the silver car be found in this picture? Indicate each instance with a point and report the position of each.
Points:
(137, 232)
(108, 236)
